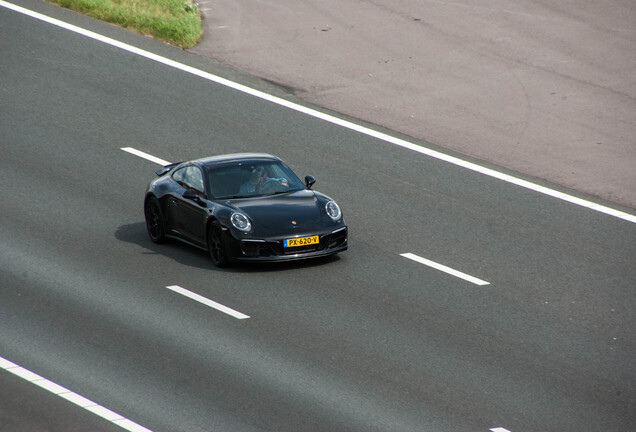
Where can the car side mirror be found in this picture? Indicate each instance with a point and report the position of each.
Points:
(191, 194)
(309, 181)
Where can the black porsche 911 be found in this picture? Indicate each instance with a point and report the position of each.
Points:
(243, 207)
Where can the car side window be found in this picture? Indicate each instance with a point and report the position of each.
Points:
(179, 176)
(189, 177)
(194, 179)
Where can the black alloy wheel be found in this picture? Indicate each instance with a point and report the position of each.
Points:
(154, 220)
(216, 246)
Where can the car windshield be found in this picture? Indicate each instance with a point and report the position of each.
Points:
(252, 178)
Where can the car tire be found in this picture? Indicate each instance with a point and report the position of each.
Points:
(216, 246)
(154, 220)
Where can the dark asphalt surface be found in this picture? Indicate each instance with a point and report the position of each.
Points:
(366, 341)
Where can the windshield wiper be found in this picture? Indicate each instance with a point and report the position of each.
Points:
(276, 193)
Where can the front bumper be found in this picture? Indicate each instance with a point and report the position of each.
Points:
(271, 250)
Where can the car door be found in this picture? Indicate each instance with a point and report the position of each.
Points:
(188, 215)
(173, 222)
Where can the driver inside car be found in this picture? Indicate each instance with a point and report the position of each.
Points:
(258, 180)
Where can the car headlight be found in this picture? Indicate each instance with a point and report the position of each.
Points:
(240, 222)
(333, 210)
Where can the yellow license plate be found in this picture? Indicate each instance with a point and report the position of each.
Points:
(302, 241)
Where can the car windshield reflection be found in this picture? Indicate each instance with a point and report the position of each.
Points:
(252, 179)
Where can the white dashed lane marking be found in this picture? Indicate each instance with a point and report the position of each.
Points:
(207, 302)
(145, 156)
(445, 269)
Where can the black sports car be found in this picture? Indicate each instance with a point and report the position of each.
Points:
(245, 207)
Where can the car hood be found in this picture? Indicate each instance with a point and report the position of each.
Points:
(281, 214)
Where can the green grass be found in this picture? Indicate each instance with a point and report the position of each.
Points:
(177, 22)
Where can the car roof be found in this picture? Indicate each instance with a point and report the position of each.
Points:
(235, 157)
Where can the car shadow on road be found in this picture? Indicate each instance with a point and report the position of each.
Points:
(182, 253)
(191, 256)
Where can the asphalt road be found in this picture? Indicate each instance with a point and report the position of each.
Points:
(369, 340)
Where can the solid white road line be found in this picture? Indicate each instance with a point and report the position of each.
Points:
(444, 269)
(207, 302)
(499, 429)
(70, 396)
(326, 117)
(145, 156)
